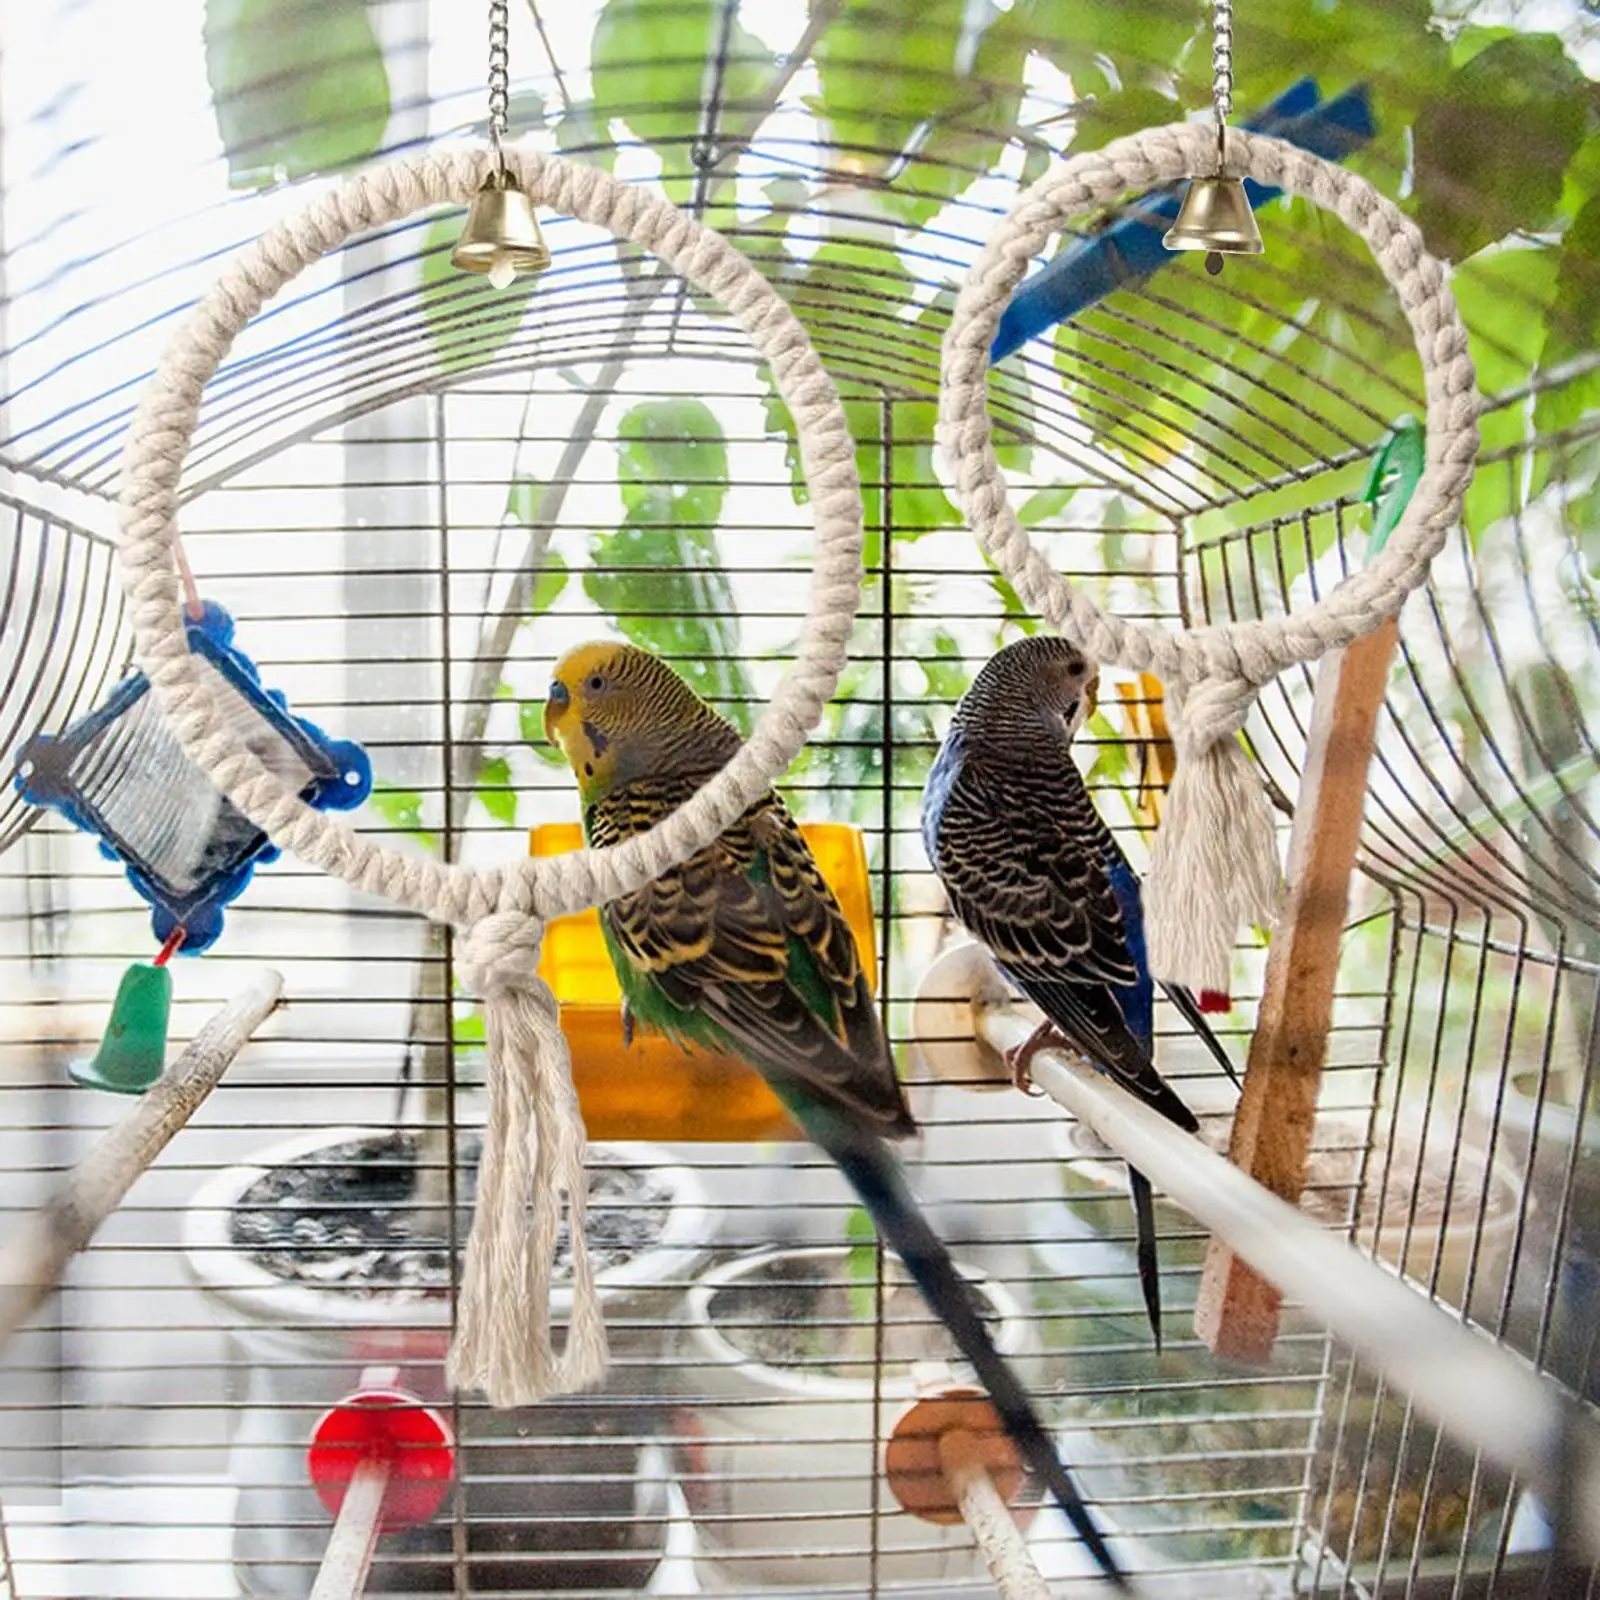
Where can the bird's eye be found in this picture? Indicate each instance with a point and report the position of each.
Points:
(595, 684)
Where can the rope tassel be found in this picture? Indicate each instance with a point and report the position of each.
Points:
(1214, 864)
(531, 1177)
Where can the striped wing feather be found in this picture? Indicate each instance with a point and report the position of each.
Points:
(1026, 868)
(748, 936)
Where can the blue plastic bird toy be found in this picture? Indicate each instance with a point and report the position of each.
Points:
(120, 774)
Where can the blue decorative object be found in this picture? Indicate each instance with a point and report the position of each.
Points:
(1130, 249)
(120, 774)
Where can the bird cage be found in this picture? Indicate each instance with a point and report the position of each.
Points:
(412, 492)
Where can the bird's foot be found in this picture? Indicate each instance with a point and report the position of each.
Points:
(627, 1026)
(1046, 1034)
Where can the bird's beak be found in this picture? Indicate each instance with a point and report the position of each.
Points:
(556, 703)
(1091, 696)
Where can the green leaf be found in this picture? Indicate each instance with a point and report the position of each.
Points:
(552, 579)
(582, 132)
(495, 791)
(524, 498)
(1044, 505)
(1113, 759)
(1112, 42)
(522, 501)
(1505, 298)
(1111, 116)
(469, 320)
(861, 1262)
(672, 450)
(931, 116)
(1582, 182)
(402, 810)
(1491, 150)
(524, 505)
(1035, 164)
(468, 1028)
(1578, 283)
(765, 237)
(299, 86)
(886, 67)
(660, 577)
(1395, 46)
(943, 664)
(858, 1227)
(1573, 333)
(530, 722)
(1011, 603)
(647, 63)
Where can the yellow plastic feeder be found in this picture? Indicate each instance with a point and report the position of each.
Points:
(653, 1089)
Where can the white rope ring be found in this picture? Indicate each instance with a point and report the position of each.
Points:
(163, 429)
(531, 1174)
(1214, 860)
(1250, 653)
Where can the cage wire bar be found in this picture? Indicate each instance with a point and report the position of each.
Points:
(393, 468)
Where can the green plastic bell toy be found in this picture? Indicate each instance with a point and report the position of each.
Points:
(133, 1054)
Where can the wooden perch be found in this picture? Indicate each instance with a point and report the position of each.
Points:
(1487, 1397)
(348, 1557)
(1004, 1550)
(948, 1459)
(1236, 1312)
(33, 1262)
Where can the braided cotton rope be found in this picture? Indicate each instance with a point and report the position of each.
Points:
(534, 1143)
(1214, 672)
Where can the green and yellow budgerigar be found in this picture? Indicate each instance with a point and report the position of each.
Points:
(744, 949)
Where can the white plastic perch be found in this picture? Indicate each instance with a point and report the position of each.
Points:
(1488, 1397)
(32, 1264)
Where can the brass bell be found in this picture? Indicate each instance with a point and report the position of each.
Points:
(502, 236)
(1215, 217)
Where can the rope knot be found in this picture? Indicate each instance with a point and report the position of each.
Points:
(1209, 712)
(1214, 861)
(500, 952)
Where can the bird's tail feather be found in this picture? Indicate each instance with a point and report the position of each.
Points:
(1144, 1216)
(1189, 1010)
(876, 1176)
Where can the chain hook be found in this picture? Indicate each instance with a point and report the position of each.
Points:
(499, 80)
(1222, 75)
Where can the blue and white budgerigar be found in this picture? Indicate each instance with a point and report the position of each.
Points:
(1033, 871)
(743, 948)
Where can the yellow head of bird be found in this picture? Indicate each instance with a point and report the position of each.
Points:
(612, 708)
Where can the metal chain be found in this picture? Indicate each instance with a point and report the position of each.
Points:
(1222, 70)
(499, 75)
